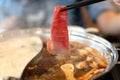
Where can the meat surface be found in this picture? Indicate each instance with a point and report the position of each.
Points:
(59, 39)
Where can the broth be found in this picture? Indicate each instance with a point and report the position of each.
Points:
(82, 63)
(15, 53)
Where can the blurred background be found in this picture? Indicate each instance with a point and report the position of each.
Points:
(103, 16)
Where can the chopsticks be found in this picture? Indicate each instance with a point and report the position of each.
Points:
(80, 4)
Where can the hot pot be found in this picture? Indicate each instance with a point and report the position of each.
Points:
(98, 43)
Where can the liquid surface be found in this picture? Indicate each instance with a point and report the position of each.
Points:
(81, 63)
(15, 53)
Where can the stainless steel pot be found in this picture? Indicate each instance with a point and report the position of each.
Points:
(98, 43)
